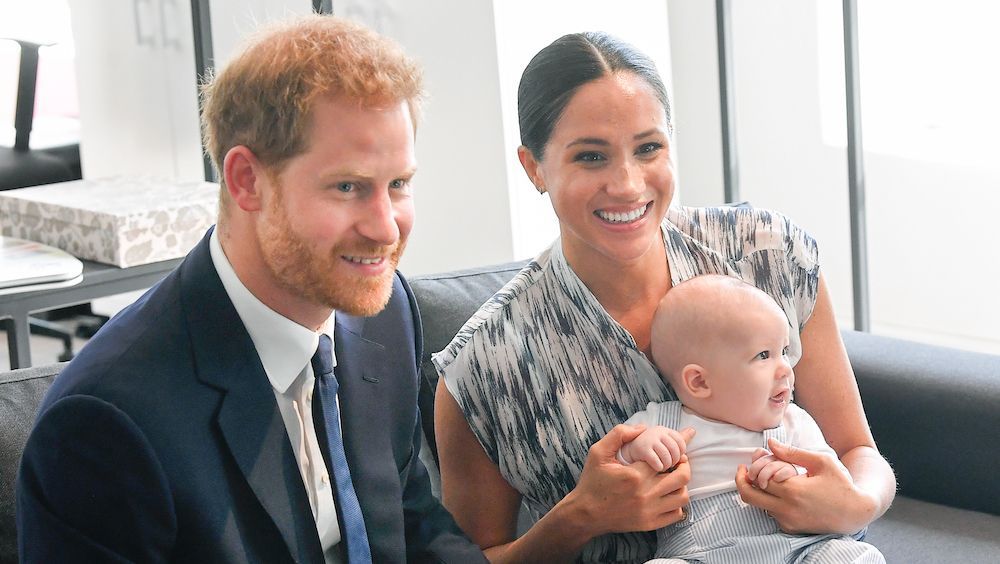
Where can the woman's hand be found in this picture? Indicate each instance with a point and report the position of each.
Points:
(766, 467)
(824, 500)
(611, 497)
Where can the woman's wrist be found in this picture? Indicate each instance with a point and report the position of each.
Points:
(863, 510)
(874, 483)
(576, 519)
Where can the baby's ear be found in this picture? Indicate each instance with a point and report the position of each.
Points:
(695, 380)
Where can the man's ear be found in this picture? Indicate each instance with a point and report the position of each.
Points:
(243, 174)
(530, 165)
(695, 380)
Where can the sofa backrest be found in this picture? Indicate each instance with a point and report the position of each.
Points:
(446, 301)
(935, 415)
(21, 392)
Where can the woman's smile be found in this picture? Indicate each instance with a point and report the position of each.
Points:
(620, 217)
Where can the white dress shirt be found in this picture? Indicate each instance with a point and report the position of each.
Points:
(285, 349)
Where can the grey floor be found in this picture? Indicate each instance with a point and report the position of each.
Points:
(46, 350)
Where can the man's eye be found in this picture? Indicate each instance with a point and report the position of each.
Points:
(399, 183)
(346, 187)
(763, 355)
(589, 157)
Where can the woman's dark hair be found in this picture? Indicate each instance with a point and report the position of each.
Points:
(557, 71)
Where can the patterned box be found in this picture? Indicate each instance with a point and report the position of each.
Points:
(124, 221)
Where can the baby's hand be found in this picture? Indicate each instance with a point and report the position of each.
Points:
(766, 468)
(658, 446)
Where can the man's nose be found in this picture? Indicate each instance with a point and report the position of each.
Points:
(379, 223)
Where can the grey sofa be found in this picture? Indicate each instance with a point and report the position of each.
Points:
(934, 411)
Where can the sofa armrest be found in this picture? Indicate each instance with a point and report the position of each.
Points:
(21, 392)
(935, 415)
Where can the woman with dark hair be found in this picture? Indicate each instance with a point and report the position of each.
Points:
(536, 384)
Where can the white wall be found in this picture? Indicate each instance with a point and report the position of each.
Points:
(463, 211)
(233, 20)
(697, 122)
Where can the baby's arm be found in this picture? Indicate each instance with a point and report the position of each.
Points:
(659, 447)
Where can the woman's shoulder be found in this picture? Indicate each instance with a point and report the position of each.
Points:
(740, 230)
(494, 320)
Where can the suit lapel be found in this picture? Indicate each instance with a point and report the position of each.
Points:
(251, 425)
(360, 366)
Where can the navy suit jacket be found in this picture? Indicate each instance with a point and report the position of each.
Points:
(162, 441)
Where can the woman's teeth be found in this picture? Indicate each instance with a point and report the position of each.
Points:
(628, 217)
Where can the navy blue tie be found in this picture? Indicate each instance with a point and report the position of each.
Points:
(326, 416)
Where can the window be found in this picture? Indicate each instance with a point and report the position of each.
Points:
(929, 118)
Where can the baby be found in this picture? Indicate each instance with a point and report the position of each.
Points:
(722, 345)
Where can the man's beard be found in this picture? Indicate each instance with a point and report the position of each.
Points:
(325, 279)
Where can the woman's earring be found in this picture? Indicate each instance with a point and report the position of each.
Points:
(541, 189)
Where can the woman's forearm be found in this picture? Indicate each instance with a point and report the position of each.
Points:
(558, 536)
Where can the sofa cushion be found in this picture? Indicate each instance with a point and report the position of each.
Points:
(919, 531)
(21, 392)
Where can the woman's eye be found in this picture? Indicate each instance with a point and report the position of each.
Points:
(648, 148)
(589, 157)
(763, 355)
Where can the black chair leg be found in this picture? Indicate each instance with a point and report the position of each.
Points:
(49, 329)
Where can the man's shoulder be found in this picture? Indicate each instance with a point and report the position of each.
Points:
(129, 358)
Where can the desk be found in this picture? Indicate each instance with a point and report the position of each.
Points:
(99, 280)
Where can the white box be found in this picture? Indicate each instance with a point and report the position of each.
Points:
(124, 221)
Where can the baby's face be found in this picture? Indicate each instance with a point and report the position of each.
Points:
(750, 376)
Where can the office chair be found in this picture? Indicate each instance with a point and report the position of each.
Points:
(21, 166)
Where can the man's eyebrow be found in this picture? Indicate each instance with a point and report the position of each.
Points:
(338, 174)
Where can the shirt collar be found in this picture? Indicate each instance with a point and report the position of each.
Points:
(284, 347)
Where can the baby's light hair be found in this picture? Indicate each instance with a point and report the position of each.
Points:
(694, 315)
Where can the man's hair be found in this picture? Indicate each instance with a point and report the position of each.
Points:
(264, 97)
